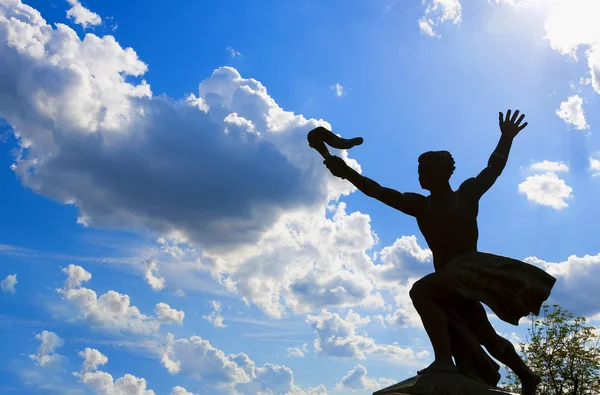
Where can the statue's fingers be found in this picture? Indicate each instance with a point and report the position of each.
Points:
(515, 115)
(507, 115)
(523, 126)
(520, 119)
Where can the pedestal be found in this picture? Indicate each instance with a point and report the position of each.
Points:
(441, 384)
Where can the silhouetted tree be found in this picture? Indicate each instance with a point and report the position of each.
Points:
(563, 351)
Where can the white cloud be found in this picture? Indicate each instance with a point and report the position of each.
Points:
(280, 271)
(357, 380)
(318, 390)
(260, 240)
(112, 310)
(339, 89)
(547, 190)
(404, 259)
(232, 52)
(228, 374)
(157, 283)
(92, 358)
(426, 27)
(437, 12)
(572, 113)
(180, 391)
(297, 352)
(102, 383)
(81, 15)
(272, 379)
(8, 284)
(197, 356)
(341, 337)
(81, 88)
(576, 276)
(76, 275)
(595, 167)
(215, 317)
(547, 165)
(49, 342)
(168, 315)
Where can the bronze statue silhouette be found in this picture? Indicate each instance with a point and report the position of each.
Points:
(449, 299)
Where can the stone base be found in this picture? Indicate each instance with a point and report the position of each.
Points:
(441, 384)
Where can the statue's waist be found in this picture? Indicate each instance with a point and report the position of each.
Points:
(440, 259)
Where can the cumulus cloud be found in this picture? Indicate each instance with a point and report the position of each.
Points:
(8, 284)
(102, 383)
(109, 154)
(228, 373)
(261, 232)
(81, 15)
(49, 342)
(547, 165)
(437, 12)
(342, 337)
(168, 315)
(571, 111)
(157, 283)
(595, 167)
(197, 356)
(576, 276)
(112, 310)
(180, 391)
(215, 316)
(547, 189)
(76, 275)
(357, 380)
(297, 352)
(305, 261)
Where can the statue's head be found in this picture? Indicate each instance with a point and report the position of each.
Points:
(435, 169)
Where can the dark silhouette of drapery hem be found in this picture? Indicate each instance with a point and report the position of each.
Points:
(511, 288)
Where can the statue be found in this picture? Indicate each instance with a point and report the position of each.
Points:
(449, 299)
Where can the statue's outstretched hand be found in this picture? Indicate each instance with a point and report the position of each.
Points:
(510, 127)
(336, 166)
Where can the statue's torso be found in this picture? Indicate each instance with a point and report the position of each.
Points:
(449, 226)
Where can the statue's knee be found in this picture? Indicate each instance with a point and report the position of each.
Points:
(418, 291)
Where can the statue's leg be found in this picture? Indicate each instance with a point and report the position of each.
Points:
(501, 349)
(424, 297)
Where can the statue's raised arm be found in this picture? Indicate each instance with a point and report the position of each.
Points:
(408, 203)
(510, 128)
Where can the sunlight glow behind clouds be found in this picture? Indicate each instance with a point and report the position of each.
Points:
(569, 26)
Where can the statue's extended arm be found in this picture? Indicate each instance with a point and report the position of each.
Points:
(509, 127)
(408, 203)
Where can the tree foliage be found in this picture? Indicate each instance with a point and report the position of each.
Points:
(563, 351)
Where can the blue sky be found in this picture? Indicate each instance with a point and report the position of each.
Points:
(167, 230)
